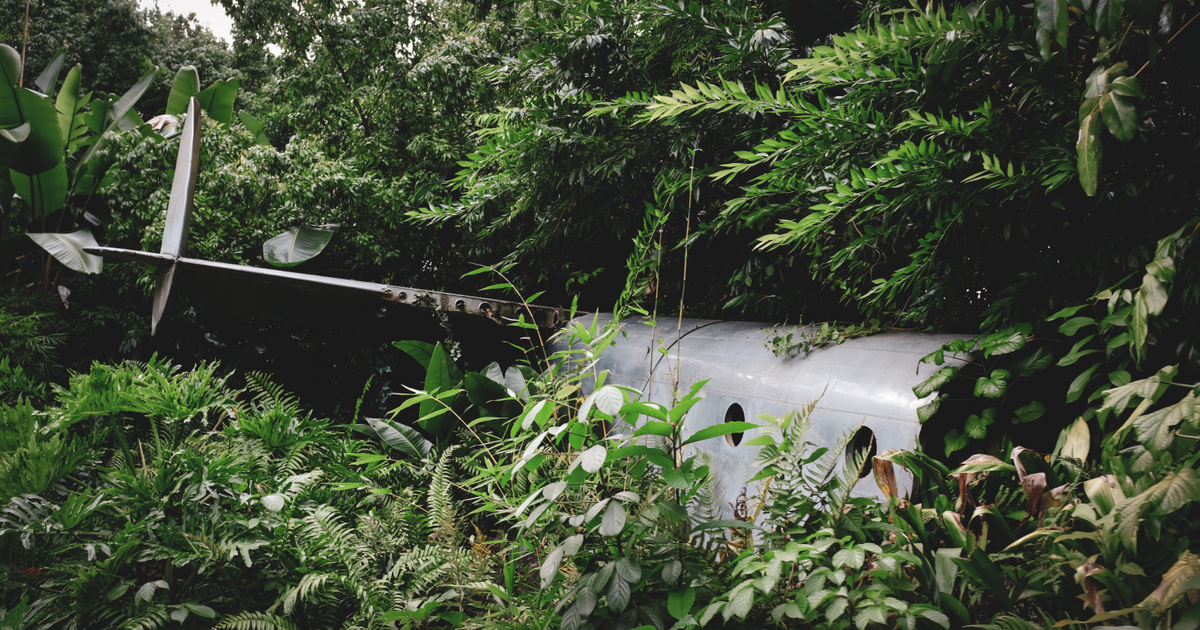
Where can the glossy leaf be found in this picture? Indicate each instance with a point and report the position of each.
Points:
(255, 127)
(592, 459)
(404, 439)
(618, 593)
(1120, 116)
(105, 117)
(45, 192)
(1052, 26)
(298, 245)
(680, 601)
(549, 567)
(68, 249)
(45, 81)
(183, 88)
(217, 100)
(69, 104)
(42, 149)
(931, 384)
(717, 430)
(1106, 16)
(1089, 151)
(613, 521)
(1077, 440)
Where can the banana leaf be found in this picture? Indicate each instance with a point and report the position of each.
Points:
(68, 249)
(297, 245)
(186, 85)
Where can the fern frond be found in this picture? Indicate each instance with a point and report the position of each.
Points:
(441, 499)
(322, 527)
(309, 584)
(267, 394)
(1010, 622)
(156, 617)
(255, 621)
(852, 473)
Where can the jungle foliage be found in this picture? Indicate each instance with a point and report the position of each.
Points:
(1021, 173)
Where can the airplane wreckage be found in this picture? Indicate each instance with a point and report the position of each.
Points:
(864, 385)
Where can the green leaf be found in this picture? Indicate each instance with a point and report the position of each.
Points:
(717, 430)
(550, 566)
(1072, 326)
(836, 609)
(1120, 116)
(1090, 151)
(67, 104)
(201, 610)
(68, 249)
(926, 411)
(46, 80)
(105, 117)
(629, 570)
(298, 244)
(1003, 342)
(218, 99)
(740, 603)
(1106, 16)
(1029, 413)
(618, 594)
(592, 459)
(980, 568)
(404, 439)
(680, 601)
(438, 377)
(613, 521)
(992, 386)
(1051, 21)
(1075, 390)
(421, 351)
(852, 557)
(255, 127)
(671, 571)
(1127, 87)
(653, 410)
(42, 149)
(976, 425)
(1156, 430)
(653, 427)
(677, 478)
(45, 192)
(1078, 352)
(931, 384)
(183, 88)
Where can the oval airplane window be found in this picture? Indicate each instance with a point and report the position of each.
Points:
(862, 443)
(734, 414)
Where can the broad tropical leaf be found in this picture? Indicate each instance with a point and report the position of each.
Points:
(404, 439)
(69, 104)
(45, 192)
(217, 99)
(298, 245)
(185, 86)
(68, 249)
(46, 80)
(42, 150)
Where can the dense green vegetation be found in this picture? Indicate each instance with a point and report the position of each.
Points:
(1021, 174)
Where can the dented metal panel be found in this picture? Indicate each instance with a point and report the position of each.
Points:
(866, 381)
